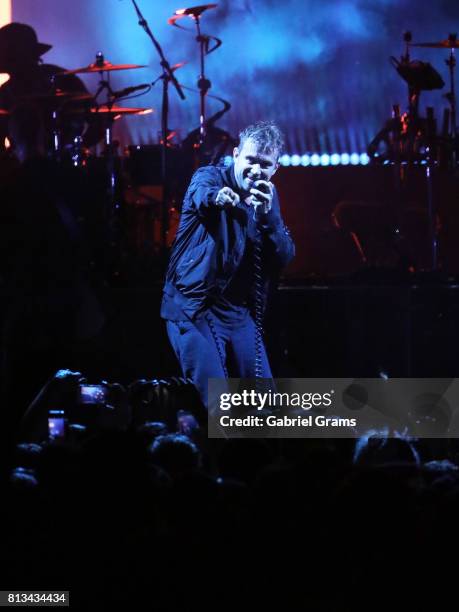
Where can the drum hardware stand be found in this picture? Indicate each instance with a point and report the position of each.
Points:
(451, 95)
(104, 85)
(413, 93)
(55, 123)
(449, 130)
(431, 212)
(422, 76)
(204, 83)
(167, 77)
(56, 137)
(205, 48)
(113, 206)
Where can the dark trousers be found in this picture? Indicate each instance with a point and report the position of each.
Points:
(214, 348)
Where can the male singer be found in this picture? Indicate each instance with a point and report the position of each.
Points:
(230, 242)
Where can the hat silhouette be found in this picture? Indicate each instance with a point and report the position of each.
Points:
(19, 40)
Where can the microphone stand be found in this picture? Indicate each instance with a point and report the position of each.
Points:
(167, 76)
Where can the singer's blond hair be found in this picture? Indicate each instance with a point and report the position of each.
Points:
(266, 135)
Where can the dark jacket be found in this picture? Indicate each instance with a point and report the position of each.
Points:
(210, 243)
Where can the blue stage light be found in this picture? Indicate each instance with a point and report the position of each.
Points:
(335, 159)
(315, 159)
(284, 160)
(324, 159)
(354, 159)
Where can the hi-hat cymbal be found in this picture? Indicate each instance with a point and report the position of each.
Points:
(194, 11)
(104, 66)
(58, 96)
(442, 44)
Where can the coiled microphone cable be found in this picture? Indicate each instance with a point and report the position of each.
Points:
(258, 280)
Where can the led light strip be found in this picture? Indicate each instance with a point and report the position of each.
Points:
(325, 159)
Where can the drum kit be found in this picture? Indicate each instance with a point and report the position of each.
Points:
(94, 147)
(409, 139)
(63, 105)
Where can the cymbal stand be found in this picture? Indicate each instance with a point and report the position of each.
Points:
(431, 214)
(413, 118)
(405, 59)
(56, 146)
(112, 208)
(167, 77)
(204, 83)
(104, 85)
(451, 95)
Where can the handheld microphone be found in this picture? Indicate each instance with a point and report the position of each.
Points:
(259, 205)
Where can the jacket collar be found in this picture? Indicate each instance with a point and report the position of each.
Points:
(230, 180)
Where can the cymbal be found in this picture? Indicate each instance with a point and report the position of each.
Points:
(4, 112)
(118, 111)
(177, 66)
(194, 11)
(58, 96)
(104, 66)
(442, 44)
